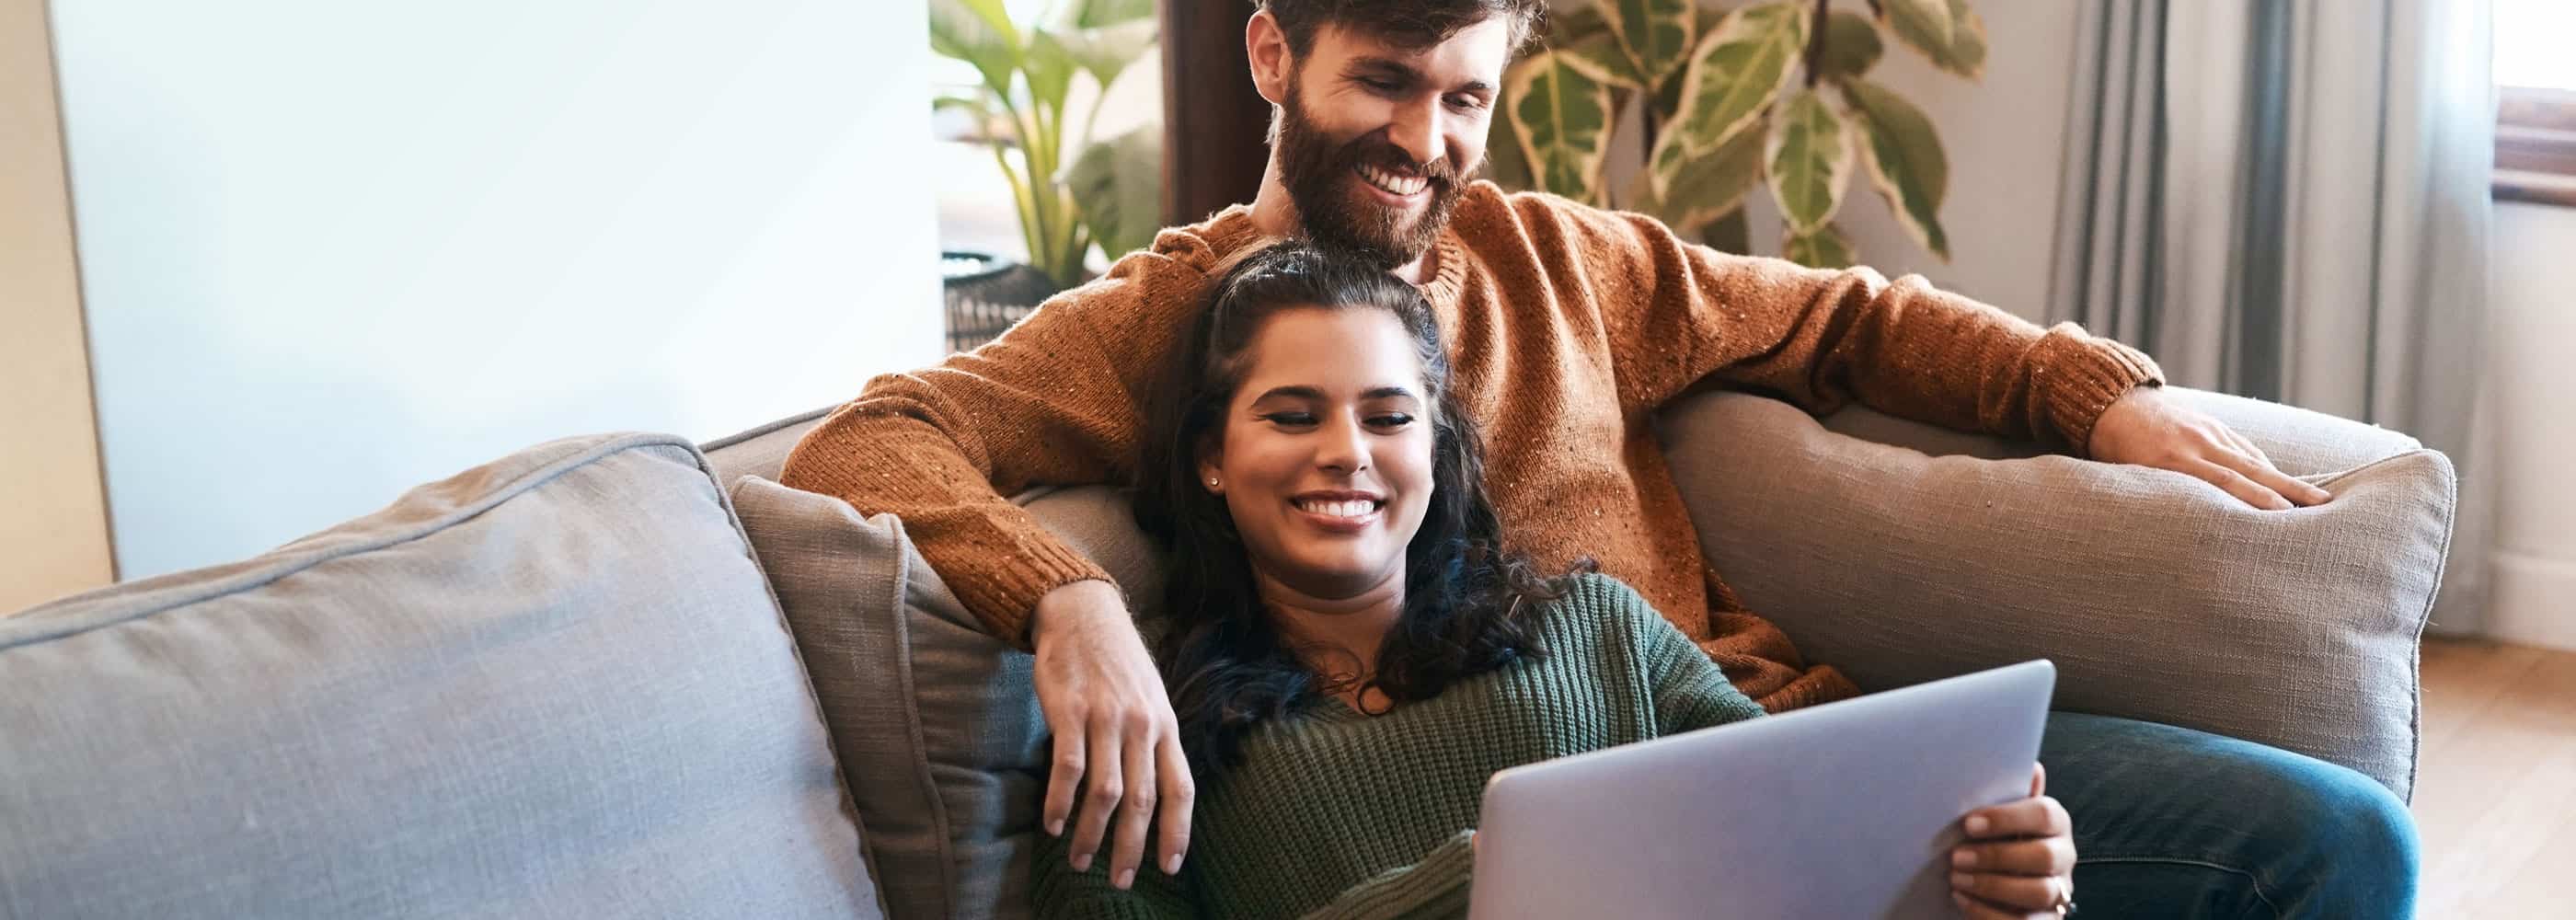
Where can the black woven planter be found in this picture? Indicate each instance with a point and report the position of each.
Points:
(988, 294)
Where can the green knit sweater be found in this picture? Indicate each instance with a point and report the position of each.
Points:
(1336, 814)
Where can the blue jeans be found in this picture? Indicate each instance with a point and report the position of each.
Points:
(2171, 822)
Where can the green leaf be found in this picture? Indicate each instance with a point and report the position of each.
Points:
(1656, 34)
(1946, 31)
(1094, 14)
(959, 30)
(1105, 52)
(1601, 58)
(1924, 24)
(1905, 161)
(1049, 67)
(1967, 42)
(1827, 247)
(1708, 187)
(1577, 24)
(1562, 117)
(1809, 159)
(1852, 46)
(1118, 184)
(1733, 75)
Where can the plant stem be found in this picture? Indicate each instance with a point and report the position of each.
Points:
(1816, 43)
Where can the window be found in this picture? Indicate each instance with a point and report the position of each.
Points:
(2536, 105)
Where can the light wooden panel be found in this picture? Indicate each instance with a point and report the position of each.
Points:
(2496, 796)
(53, 515)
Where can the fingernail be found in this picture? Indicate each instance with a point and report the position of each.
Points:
(1055, 827)
(1977, 825)
(1126, 877)
(1958, 880)
(1082, 862)
(1963, 858)
(1172, 864)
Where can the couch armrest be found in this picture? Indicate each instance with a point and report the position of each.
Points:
(2159, 596)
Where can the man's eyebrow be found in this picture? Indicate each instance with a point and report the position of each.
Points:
(1395, 68)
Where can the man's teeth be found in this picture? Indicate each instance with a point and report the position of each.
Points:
(1392, 183)
(1348, 509)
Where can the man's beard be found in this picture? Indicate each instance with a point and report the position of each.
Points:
(1320, 172)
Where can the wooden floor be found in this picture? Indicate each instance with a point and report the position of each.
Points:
(2495, 795)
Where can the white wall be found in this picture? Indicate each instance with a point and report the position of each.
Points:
(332, 250)
(2534, 593)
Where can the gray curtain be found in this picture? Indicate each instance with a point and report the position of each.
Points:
(2288, 199)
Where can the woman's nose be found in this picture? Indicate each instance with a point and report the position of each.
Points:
(1343, 448)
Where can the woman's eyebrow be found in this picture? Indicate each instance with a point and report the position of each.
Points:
(1301, 391)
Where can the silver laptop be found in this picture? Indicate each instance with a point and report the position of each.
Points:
(1847, 809)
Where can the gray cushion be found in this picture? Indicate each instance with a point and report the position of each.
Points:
(938, 721)
(2159, 596)
(761, 451)
(552, 686)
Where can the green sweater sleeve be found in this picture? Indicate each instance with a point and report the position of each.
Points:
(1060, 893)
(1434, 886)
(1690, 692)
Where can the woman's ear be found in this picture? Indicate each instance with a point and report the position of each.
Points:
(1267, 46)
(1211, 476)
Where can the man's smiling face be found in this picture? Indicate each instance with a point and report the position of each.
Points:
(1375, 141)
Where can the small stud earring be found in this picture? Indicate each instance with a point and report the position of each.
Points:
(1211, 482)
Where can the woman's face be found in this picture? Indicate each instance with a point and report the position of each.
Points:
(1325, 462)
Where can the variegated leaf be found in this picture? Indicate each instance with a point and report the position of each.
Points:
(1656, 34)
(1827, 247)
(1809, 160)
(1708, 187)
(1924, 24)
(1905, 161)
(1562, 118)
(1601, 58)
(1946, 31)
(1733, 74)
(1852, 45)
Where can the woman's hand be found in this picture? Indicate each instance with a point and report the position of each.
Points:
(2019, 860)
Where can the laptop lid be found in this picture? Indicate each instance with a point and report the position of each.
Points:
(1848, 809)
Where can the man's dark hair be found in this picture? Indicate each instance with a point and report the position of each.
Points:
(1409, 24)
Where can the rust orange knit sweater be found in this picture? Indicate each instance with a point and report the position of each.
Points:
(1568, 326)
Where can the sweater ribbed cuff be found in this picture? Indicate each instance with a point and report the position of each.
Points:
(2082, 381)
(1004, 593)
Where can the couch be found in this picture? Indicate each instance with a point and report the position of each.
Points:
(626, 675)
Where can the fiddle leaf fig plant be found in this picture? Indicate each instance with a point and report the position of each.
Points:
(1072, 191)
(1774, 95)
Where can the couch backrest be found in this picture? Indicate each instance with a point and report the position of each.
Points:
(553, 686)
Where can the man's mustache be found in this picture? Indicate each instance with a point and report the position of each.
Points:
(1375, 150)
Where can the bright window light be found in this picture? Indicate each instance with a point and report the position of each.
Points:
(2531, 43)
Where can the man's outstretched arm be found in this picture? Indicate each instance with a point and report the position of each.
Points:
(1821, 339)
(1054, 401)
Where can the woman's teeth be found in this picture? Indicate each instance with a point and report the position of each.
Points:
(1346, 509)
(1391, 183)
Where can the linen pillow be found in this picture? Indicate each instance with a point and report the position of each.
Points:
(2159, 596)
(554, 686)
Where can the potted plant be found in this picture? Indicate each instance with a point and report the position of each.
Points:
(1776, 94)
(1072, 192)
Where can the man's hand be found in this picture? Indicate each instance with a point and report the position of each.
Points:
(2148, 428)
(1113, 724)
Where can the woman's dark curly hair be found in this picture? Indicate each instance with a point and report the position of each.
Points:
(1467, 603)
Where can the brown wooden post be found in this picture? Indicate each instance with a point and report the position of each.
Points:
(1213, 120)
